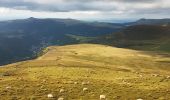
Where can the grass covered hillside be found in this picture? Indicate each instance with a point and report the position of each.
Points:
(88, 72)
(33, 34)
(140, 37)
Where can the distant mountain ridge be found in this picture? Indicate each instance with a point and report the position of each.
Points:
(143, 21)
(59, 26)
(140, 37)
(23, 38)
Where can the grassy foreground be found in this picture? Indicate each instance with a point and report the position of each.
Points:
(86, 71)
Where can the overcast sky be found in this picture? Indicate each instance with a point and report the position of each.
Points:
(85, 9)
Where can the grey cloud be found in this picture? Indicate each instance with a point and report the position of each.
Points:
(17, 4)
(67, 5)
(138, 1)
(83, 5)
(159, 11)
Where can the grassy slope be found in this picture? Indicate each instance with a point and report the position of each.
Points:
(140, 37)
(118, 73)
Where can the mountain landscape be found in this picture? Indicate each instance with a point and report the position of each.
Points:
(139, 37)
(84, 49)
(67, 59)
(22, 39)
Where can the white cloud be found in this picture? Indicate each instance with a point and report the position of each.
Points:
(85, 9)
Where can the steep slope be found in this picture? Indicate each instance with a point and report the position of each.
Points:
(102, 70)
(22, 39)
(141, 37)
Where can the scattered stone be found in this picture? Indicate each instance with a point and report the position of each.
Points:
(117, 97)
(50, 96)
(57, 82)
(140, 75)
(31, 98)
(51, 82)
(128, 83)
(75, 82)
(19, 78)
(83, 83)
(167, 90)
(44, 80)
(41, 87)
(69, 82)
(149, 94)
(60, 98)
(123, 81)
(6, 74)
(85, 89)
(8, 87)
(139, 99)
(162, 98)
(155, 75)
(102, 97)
(61, 90)
(168, 77)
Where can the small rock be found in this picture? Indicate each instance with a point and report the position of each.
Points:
(70, 82)
(75, 83)
(139, 99)
(102, 97)
(84, 83)
(140, 75)
(168, 77)
(51, 82)
(44, 80)
(41, 87)
(20, 78)
(155, 75)
(85, 89)
(60, 98)
(61, 90)
(50, 96)
(8, 87)
(6, 74)
(162, 98)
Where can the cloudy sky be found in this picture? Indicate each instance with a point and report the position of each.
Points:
(85, 9)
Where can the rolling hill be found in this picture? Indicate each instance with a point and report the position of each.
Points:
(23, 38)
(139, 37)
(86, 71)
